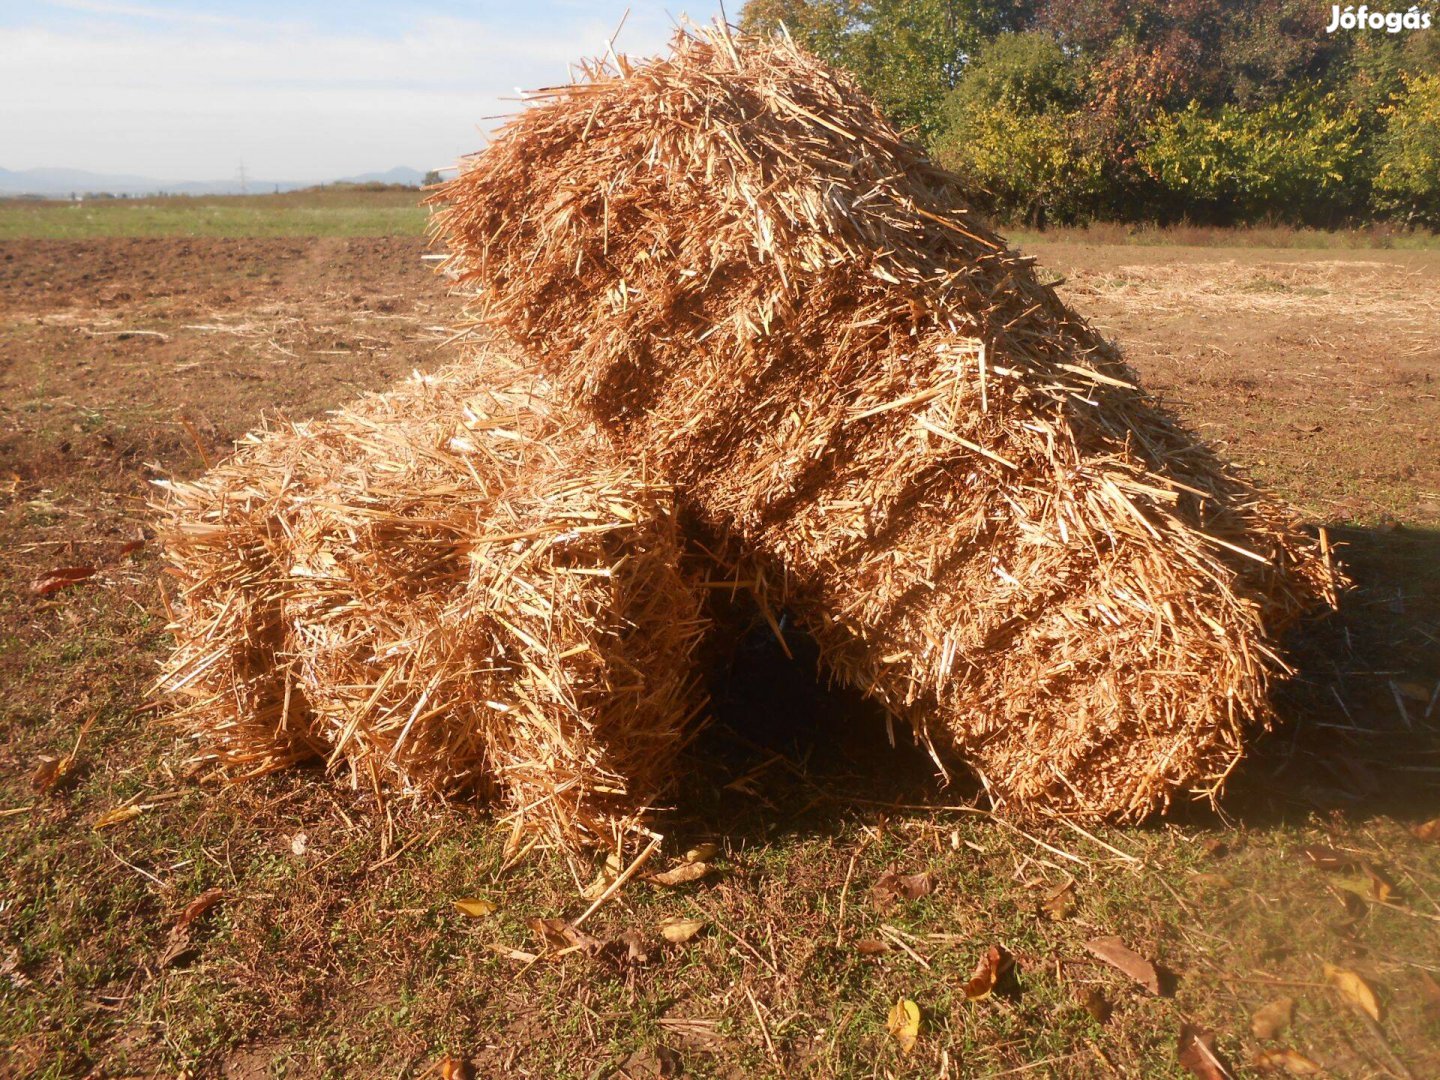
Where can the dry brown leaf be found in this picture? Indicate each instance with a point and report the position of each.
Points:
(119, 815)
(62, 577)
(1096, 1004)
(1060, 904)
(476, 907)
(1381, 887)
(682, 874)
(991, 969)
(871, 946)
(1290, 1061)
(1429, 830)
(454, 1068)
(1199, 1056)
(604, 878)
(903, 1024)
(199, 906)
(677, 929)
(49, 771)
(1273, 1020)
(559, 934)
(1354, 990)
(1113, 951)
(890, 887)
(1417, 692)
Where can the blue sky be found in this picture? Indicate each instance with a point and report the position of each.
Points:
(296, 91)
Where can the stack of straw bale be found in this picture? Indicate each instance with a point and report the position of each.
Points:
(733, 262)
(443, 589)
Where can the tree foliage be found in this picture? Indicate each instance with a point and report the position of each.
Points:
(1208, 110)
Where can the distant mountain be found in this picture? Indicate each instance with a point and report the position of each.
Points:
(398, 175)
(61, 183)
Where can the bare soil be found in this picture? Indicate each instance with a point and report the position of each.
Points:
(126, 360)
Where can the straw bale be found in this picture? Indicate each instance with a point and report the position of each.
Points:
(443, 590)
(730, 258)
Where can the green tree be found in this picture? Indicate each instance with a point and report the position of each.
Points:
(1407, 184)
(1014, 131)
(907, 54)
(1299, 159)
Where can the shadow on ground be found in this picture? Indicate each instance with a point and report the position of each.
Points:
(1359, 728)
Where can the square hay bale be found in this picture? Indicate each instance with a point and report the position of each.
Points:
(444, 590)
(746, 274)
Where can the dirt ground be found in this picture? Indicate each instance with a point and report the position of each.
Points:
(127, 360)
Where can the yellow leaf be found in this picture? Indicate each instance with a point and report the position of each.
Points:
(682, 874)
(118, 816)
(476, 907)
(702, 852)
(1270, 1021)
(1353, 989)
(677, 930)
(904, 1024)
(1292, 1061)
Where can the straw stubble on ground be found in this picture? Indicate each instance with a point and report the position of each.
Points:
(337, 949)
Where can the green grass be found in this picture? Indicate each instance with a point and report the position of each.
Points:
(339, 213)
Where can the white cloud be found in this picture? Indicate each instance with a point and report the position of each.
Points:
(191, 99)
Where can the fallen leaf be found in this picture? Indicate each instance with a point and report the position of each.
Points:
(128, 547)
(682, 874)
(1381, 887)
(702, 852)
(1113, 951)
(990, 970)
(1273, 1020)
(118, 816)
(890, 887)
(604, 878)
(1429, 830)
(677, 929)
(1096, 1004)
(637, 951)
(453, 1068)
(48, 772)
(476, 907)
(904, 1024)
(1060, 904)
(1353, 989)
(62, 577)
(1290, 1061)
(199, 906)
(1198, 1054)
(559, 934)
(1324, 858)
(871, 947)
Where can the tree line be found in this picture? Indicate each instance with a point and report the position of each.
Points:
(1209, 111)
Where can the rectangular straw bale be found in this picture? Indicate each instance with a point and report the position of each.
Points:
(745, 273)
(445, 589)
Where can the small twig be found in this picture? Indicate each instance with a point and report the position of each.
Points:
(844, 892)
(894, 935)
(764, 1028)
(616, 885)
